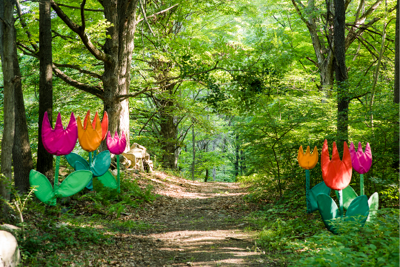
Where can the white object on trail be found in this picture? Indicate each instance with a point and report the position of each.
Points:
(9, 251)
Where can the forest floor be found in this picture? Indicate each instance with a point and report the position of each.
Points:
(192, 224)
(189, 224)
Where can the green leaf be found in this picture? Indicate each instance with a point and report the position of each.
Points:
(359, 206)
(44, 190)
(72, 158)
(328, 210)
(78, 166)
(101, 163)
(320, 188)
(373, 203)
(108, 180)
(74, 183)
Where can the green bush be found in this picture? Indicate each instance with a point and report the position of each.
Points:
(375, 244)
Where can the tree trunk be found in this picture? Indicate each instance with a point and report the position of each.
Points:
(45, 159)
(169, 134)
(396, 98)
(9, 77)
(22, 155)
(194, 151)
(341, 72)
(237, 156)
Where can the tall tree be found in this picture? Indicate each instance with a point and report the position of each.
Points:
(396, 98)
(7, 53)
(320, 24)
(115, 55)
(45, 159)
(341, 71)
(22, 155)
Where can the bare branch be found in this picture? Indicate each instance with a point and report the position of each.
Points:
(83, 15)
(158, 13)
(145, 18)
(77, 7)
(94, 90)
(76, 67)
(100, 55)
(123, 97)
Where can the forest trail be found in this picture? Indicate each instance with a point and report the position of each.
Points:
(193, 224)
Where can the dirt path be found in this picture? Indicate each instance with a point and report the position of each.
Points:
(193, 224)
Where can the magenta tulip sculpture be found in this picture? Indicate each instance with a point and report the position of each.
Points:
(59, 141)
(361, 161)
(116, 146)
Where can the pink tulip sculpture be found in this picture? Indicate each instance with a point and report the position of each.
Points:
(361, 162)
(58, 141)
(116, 146)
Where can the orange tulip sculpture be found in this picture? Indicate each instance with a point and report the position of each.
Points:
(337, 175)
(308, 161)
(90, 136)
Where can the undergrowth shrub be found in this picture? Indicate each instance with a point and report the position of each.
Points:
(375, 244)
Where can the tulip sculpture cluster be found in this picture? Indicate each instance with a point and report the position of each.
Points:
(337, 175)
(60, 141)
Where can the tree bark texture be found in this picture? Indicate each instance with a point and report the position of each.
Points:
(22, 155)
(9, 77)
(396, 98)
(116, 58)
(193, 151)
(169, 135)
(341, 71)
(45, 159)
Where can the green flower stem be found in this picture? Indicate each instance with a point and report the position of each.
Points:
(340, 194)
(308, 191)
(94, 154)
(361, 184)
(90, 159)
(118, 179)
(56, 174)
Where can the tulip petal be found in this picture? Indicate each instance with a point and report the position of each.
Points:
(44, 190)
(101, 163)
(104, 125)
(336, 173)
(307, 161)
(59, 141)
(89, 138)
(361, 161)
(74, 183)
(116, 145)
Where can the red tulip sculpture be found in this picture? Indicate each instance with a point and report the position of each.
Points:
(337, 175)
(58, 141)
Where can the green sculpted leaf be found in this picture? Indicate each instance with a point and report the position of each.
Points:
(108, 180)
(320, 188)
(348, 196)
(72, 158)
(80, 167)
(359, 206)
(44, 190)
(74, 183)
(101, 163)
(373, 203)
(328, 210)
